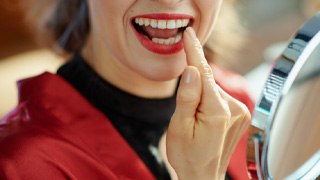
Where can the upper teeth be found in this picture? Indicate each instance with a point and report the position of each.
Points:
(163, 24)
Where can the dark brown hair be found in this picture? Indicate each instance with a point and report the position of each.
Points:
(60, 23)
(70, 25)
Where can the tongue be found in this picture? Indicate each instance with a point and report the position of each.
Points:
(160, 33)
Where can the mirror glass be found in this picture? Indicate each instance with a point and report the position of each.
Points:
(289, 110)
(295, 134)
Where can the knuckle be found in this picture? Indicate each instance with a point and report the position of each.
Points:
(207, 71)
(244, 112)
(225, 110)
(219, 117)
(198, 47)
(242, 116)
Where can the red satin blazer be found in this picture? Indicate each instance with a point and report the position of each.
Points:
(55, 133)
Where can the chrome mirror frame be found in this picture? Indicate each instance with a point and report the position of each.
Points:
(280, 80)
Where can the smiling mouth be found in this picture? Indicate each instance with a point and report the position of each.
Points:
(161, 31)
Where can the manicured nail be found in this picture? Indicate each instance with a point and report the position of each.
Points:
(189, 75)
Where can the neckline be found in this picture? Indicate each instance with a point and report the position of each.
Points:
(109, 98)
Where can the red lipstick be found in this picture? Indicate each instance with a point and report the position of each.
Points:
(161, 33)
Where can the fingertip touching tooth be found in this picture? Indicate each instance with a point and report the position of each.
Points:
(185, 22)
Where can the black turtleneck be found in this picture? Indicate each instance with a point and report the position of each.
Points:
(140, 121)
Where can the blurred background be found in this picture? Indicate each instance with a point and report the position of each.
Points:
(269, 24)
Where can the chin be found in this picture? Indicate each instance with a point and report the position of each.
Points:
(165, 75)
(157, 67)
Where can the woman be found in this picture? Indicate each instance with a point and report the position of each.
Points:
(104, 113)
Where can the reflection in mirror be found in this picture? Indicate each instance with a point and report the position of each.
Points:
(296, 129)
(289, 110)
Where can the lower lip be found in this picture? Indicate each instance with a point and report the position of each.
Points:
(158, 48)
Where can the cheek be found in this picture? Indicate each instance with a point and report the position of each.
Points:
(109, 20)
(208, 11)
(208, 6)
(110, 12)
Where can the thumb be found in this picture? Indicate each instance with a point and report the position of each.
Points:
(189, 94)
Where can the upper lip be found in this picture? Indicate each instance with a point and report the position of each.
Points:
(163, 21)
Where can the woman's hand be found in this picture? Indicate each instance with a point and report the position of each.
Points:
(207, 122)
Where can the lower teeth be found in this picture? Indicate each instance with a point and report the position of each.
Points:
(169, 41)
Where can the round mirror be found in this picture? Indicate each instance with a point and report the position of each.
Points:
(289, 110)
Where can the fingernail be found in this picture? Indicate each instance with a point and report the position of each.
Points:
(189, 76)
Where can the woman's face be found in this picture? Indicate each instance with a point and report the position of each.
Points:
(144, 36)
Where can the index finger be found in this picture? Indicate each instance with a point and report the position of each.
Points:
(194, 53)
(212, 103)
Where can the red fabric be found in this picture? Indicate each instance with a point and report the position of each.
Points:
(252, 168)
(54, 133)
